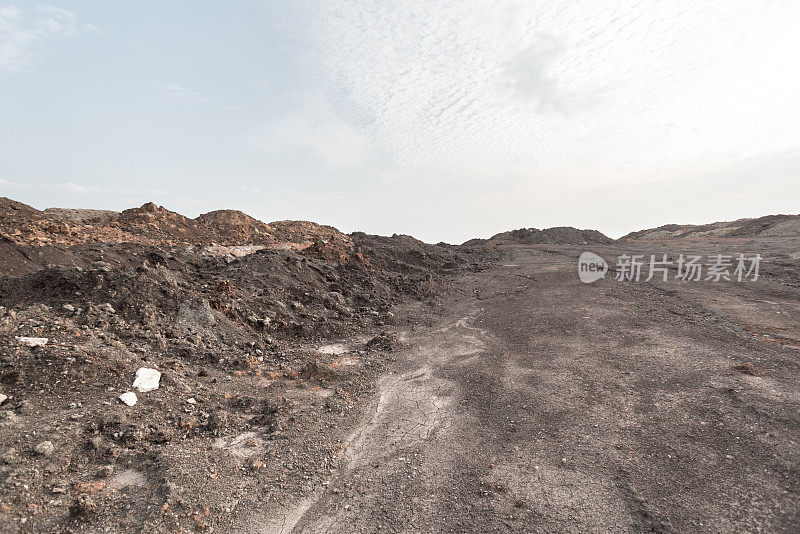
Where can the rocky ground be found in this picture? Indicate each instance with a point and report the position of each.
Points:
(220, 374)
(767, 226)
(266, 342)
(533, 402)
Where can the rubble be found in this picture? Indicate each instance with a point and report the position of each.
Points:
(106, 471)
(128, 398)
(221, 349)
(32, 341)
(562, 235)
(45, 448)
(147, 379)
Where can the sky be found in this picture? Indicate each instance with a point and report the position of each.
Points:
(445, 120)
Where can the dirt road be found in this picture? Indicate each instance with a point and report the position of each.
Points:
(537, 403)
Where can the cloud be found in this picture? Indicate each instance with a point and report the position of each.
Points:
(23, 36)
(478, 90)
(72, 187)
(528, 75)
(293, 195)
(179, 93)
(91, 28)
(314, 129)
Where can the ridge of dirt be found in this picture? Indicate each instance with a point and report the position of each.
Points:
(155, 225)
(560, 235)
(86, 216)
(766, 226)
(268, 338)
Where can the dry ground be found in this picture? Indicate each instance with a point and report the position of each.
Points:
(532, 402)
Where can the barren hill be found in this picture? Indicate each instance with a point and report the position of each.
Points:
(312, 381)
(767, 226)
(560, 235)
(152, 224)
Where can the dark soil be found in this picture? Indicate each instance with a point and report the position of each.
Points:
(265, 354)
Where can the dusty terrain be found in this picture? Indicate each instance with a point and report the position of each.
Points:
(537, 403)
(319, 382)
(767, 226)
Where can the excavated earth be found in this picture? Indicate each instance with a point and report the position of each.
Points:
(319, 382)
(269, 340)
(532, 402)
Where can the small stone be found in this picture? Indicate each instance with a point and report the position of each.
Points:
(147, 379)
(8, 418)
(69, 308)
(10, 456)
(729, 457)
(45, 448)
(103, 266)
(563, 460)
(3, 398)
(32, 341)
(108, 308)
(128, 398)
(96, 442)
(105, 471)
(82, 507)
(58, 489)
(191, 400)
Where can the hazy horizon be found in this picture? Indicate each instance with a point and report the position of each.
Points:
(195, 215)
(444, 121)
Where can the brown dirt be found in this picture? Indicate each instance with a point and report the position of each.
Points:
(243, 331)
(319, 382)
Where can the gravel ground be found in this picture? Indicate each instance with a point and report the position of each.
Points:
(534, 403)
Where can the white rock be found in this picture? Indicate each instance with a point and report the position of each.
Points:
(191, 400)
(147, 379)
(45, 448)
(68, 308)
(128, 398)
(32, 341)
(3, 398)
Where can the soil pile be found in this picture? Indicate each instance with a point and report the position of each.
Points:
(767, 226)
(266, 343)
(560, 235)
(155, 225)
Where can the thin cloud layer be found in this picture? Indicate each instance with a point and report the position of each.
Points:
(445, 120)
(23, 34)
(579, 93)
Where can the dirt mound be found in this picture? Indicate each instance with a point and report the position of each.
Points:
(234, 227)
(560, 235)
(769, 225)
(11, 209)
(249, 391)
(151, 224)
(86, 216)
(156, 222)
(300, 231)
(18, 220)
